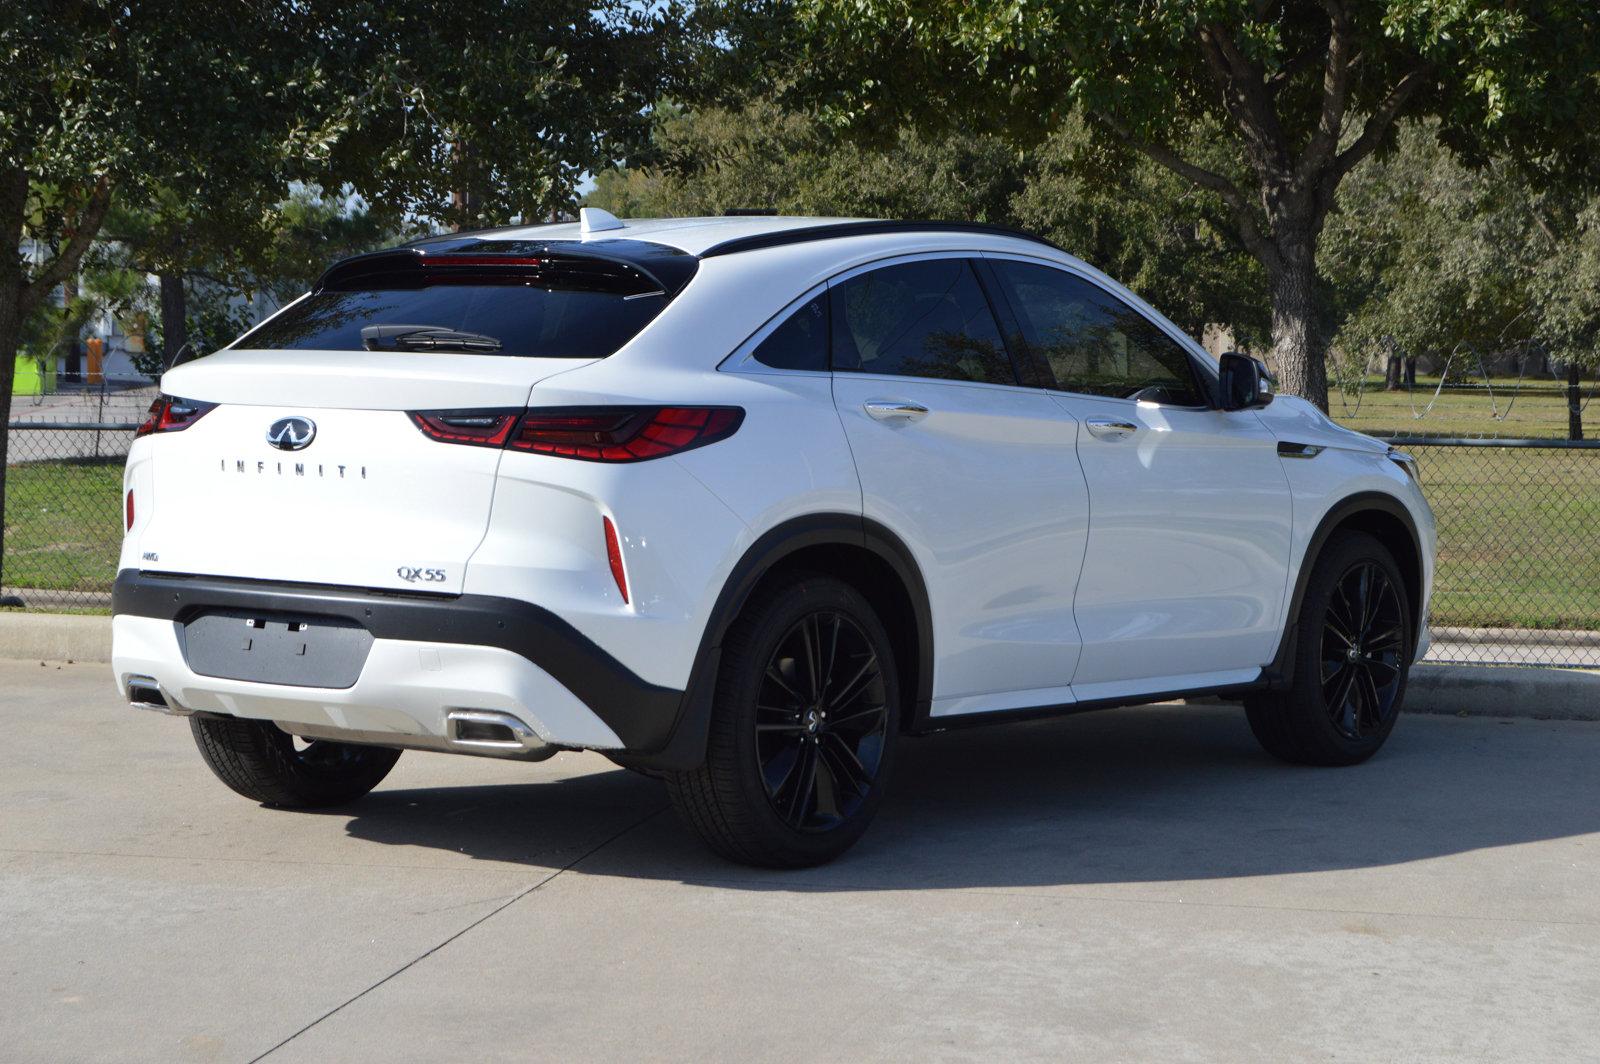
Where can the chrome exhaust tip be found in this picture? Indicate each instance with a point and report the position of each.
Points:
(494, 734)
(144, 693)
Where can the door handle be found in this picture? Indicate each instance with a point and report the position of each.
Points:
(893, 409)
(1109, 428)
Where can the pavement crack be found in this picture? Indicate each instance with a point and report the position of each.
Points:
(431, 950)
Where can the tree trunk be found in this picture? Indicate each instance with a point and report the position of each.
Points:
(1391, 373)
(10, 337)
(174, 316)
(1574, 406)
(1299, 343)
(1411, 371)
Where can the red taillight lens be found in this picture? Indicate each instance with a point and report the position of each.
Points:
(480, 428)
(592, 434)
(614, 556)
(128, 510)
(623, 434)
(169, 414)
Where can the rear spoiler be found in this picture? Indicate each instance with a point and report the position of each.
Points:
(639, 269)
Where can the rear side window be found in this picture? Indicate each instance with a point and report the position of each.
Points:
(523, 319)
(919, 319)
(1095, 343)
(801, 342)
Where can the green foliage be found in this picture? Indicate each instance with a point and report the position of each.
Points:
(477, 111)
(1120, 212)
(1296, 96)
(1429, 253)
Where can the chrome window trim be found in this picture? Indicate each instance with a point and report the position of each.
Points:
(743, 359)
(1201, 363)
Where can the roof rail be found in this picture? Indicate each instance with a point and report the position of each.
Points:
(806, 234)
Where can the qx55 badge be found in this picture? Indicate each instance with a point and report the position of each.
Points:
(292, 433)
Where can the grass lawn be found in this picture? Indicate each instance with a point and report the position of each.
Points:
(63, 525)
(1537, 410)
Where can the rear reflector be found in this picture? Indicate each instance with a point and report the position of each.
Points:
(591, 434)
(128, 508)
(614, 556)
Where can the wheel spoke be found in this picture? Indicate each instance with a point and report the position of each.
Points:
(789, 726)
(813, 654)
(777, 677)
(1369, 696)
(1346, 614)
(857, 684)
(851, 718)
(805, 784)
(1364, 597)
(833, 657)
(1387, 639)
(1341, 692)
(853, 771)
(1379, 663)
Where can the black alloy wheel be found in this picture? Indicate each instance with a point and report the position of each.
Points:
(805, 723)
(1363, 635)
(821, 718)
(1351, 653)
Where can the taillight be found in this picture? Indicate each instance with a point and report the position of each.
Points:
(592, 434)
(128, 509)
(170, 414)
(481, 428)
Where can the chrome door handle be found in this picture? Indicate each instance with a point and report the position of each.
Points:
(890, 409)
(1109, 428)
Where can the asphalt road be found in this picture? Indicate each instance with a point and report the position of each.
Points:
(1132, 885)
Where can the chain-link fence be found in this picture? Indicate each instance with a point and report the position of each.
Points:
(1519, 535)
(64, 512)
(1518, 579)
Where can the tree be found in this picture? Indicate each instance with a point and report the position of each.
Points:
(155, 104)
(479, 112)
(1429, 254)
(1151, 231)
(1302, 94)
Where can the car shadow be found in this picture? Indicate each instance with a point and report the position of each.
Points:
(1160, 793)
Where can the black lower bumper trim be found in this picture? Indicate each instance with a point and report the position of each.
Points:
(642, 714)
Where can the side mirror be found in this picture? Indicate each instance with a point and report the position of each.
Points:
(1245, 382)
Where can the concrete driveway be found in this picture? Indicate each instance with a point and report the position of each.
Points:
(1132, 885)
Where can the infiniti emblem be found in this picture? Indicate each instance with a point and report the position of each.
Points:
(292, 433)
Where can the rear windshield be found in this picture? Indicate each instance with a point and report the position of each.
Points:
(525, 320)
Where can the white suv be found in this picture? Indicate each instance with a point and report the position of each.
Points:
(741, 502)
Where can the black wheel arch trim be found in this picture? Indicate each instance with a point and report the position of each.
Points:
(641, 713)
(687, 746)
(1279, 673)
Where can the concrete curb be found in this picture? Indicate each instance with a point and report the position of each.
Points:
(55, 637)
(1455, 690)
(1504, 691)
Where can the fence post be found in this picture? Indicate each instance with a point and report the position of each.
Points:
(1574, 407)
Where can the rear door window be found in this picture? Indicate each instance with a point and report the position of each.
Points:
(919, 319)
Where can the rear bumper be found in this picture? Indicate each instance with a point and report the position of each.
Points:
(430, 655)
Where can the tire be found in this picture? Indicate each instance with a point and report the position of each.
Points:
(1352, 656)
(259, 760)
(800, 789)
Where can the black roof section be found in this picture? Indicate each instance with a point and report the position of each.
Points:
(806, 234)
